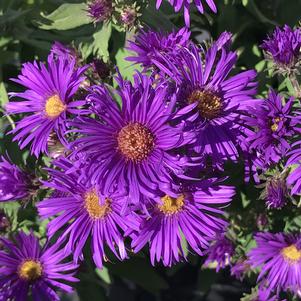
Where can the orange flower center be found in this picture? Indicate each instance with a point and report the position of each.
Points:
(30, 270)
(54, 106)
(135, 142)
(93, 206)
(291, 253)
(209, 104)
(171, 205)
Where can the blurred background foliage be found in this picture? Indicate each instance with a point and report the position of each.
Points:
(28, 28)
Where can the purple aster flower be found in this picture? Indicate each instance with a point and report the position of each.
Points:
(100, 10)
(48, 99)
(274, 124)
(294, 163)
(279, 256)
(210, 100)
(192, 213)
(239, 269)
(135, 146)
(15, 184)
(26, 267)
(83, 212)
(220, 251)
(283, 47)
(276, 193)
(60, 50)
(178, 4)
(149, 44)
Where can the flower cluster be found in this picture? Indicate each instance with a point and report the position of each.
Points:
(143, 165)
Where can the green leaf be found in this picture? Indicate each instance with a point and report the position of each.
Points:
(67, 16)
(140, 272)
(104, 275)
(3, 95)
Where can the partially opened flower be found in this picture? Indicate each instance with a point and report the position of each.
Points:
(283, 47)
(220, 252)
(179, 4)
(193, 214)
(274, 125)
(279, 257)
(27, 268)
(82, 212)
(211, 100)
(100, 10)
(276, 193)
(47, 101)
(60, 50)
(15, 184)
(149, 44)
(135, 146)
(294, 164)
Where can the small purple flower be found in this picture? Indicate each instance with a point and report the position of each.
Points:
(274, 124)
(239, 269)
(192, 214)
(15, 184)
(60, 50)
(279, 257)
(220, 251)
(149, 44)
(48, 100)
(4, 222)
(283, 47)
(209, 100)
(294, 163)
(136, 146)
(83, 212)
(26, 267)
(178, 4)
(276, 193)
(100, 10)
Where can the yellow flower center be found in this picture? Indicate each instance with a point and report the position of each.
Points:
(171, 205)
(275, 125)
(135, 142)
(291, 253)
(30, 270)
(209, 104)
(54, 106)
(93, 206)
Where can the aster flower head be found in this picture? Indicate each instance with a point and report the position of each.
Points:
(192, 213)
(47, 99)
(129, 16)
(294, 167)
(135, 146)
(60, 50)
(179, 4)
(283, 47)
(279, 257)
(82, 211)
(220, 252)
(15, 184)
(273, 124)
(26, 267)
(100, 10)
(149, 44)
(276, 193)
(209, 99)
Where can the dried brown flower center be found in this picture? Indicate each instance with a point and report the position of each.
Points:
(135, 142)
(209, 104)
(54, 106)
(171, 205)
(93, 206)
(291, 253)
(30, 270)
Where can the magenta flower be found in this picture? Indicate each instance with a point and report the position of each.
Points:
(47, 101)
(26, 267)
(179, 4)
(194, 213)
